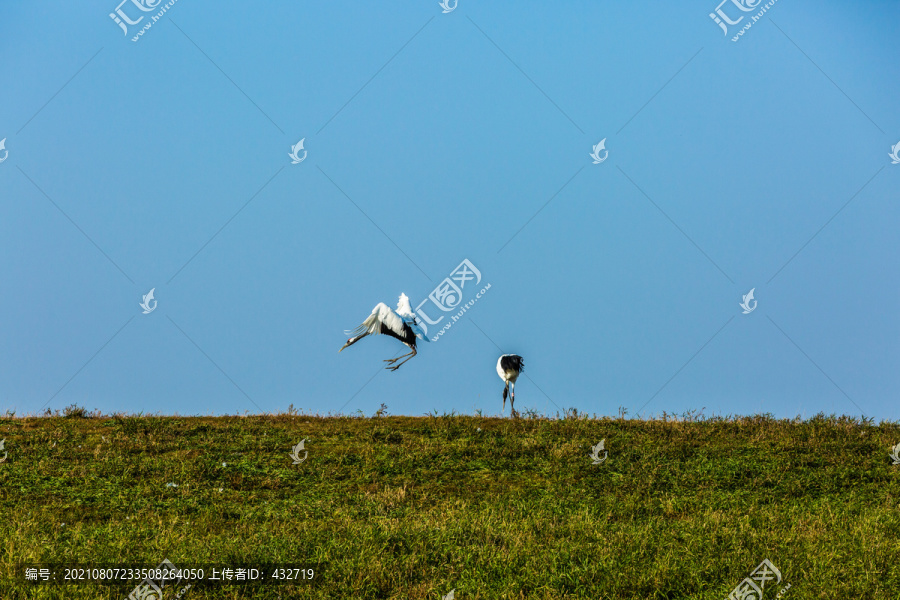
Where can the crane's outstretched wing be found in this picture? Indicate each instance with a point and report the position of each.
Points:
(382, 317)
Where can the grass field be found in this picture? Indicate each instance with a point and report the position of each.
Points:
(414, 507)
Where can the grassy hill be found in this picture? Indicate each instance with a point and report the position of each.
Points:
(414, 507)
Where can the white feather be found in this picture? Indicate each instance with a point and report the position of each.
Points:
(405, 312)
(403, 307)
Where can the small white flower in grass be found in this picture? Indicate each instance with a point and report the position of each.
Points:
(224, 464)
(451, 595)
(220, 490)
(171, 485)
(479, 429)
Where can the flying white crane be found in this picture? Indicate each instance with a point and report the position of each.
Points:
(508, 368)
(400, 324)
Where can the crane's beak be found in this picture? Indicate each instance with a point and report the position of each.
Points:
(344, 346)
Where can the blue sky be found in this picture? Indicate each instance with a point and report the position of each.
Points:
(434, 138)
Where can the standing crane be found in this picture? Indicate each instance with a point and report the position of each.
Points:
(508, 368)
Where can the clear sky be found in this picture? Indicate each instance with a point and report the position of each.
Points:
(431, 138)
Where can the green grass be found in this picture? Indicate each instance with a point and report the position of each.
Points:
(402, 507)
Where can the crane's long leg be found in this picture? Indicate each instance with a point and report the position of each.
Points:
(512, 400)
(393, 360)
(398, 365)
